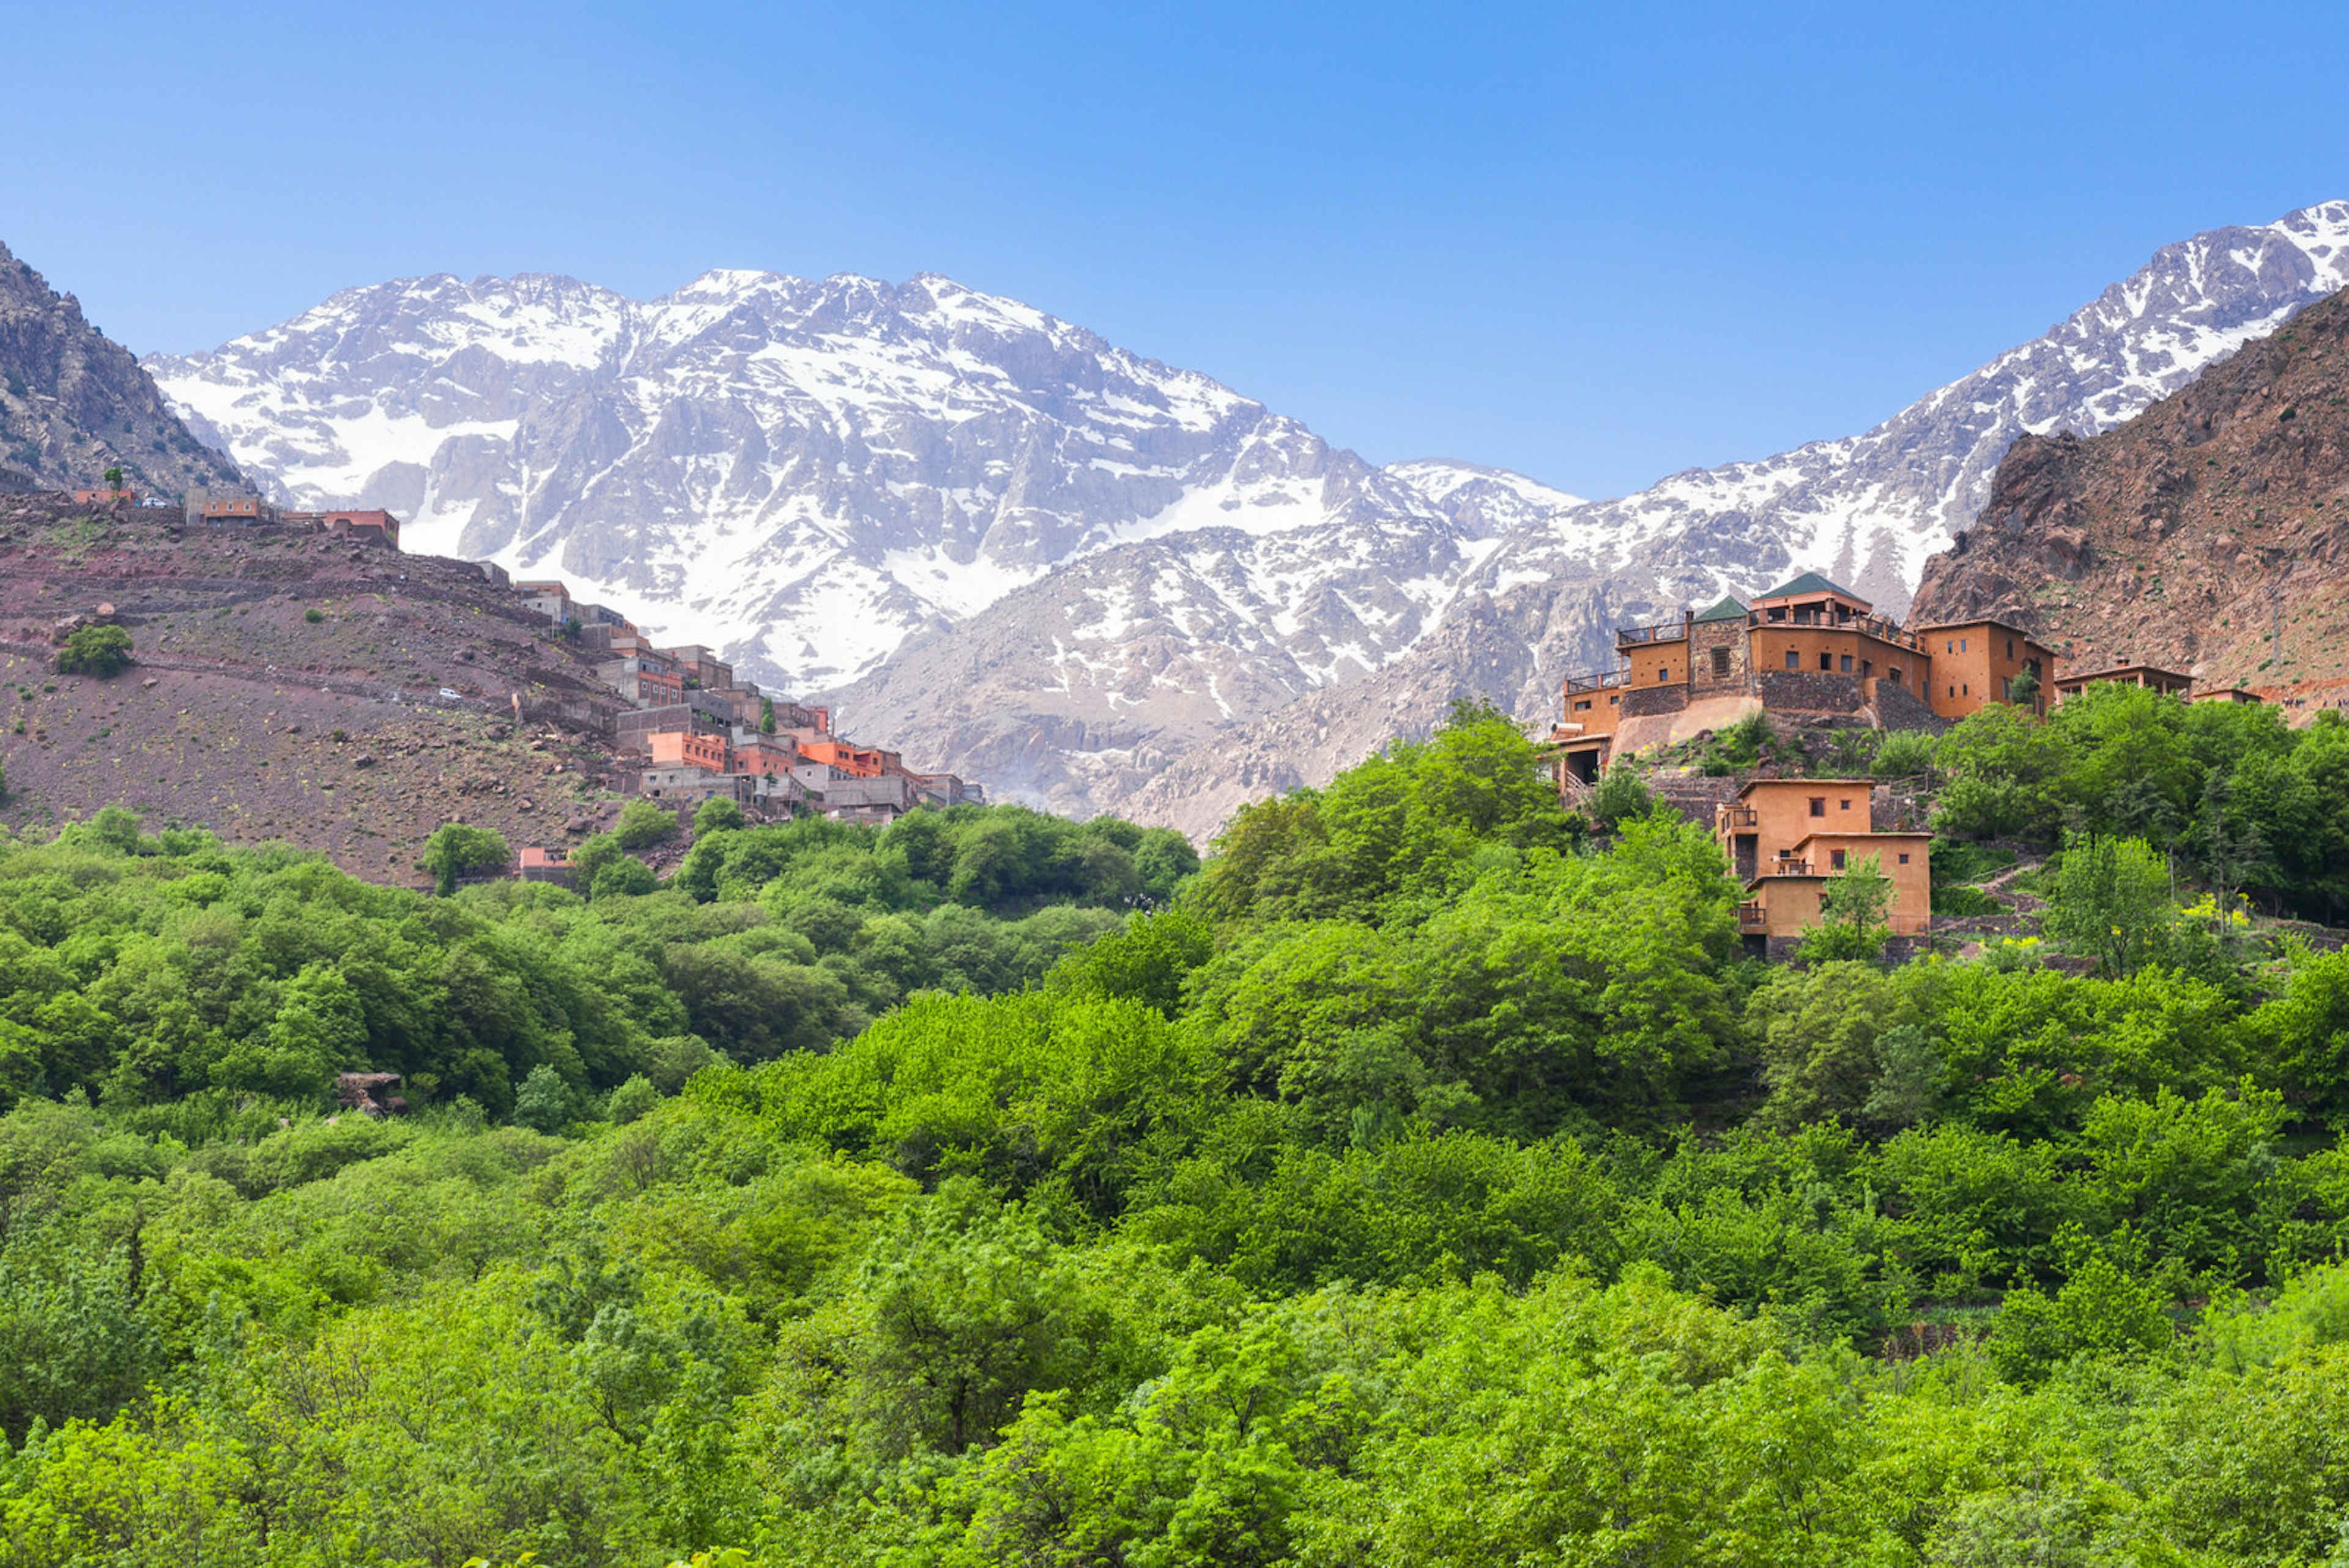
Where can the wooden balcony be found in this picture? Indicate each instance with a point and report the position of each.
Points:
(1752, 918)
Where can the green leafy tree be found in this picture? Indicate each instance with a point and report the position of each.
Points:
(99, 651)
(1621, 796)
(457, 849)
(114, 478)
(766, 715)
(1852, 919)
(544, 1102)
(643, 825)
(716, 814)
(2109, 900)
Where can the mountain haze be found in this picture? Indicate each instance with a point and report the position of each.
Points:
(1088, 579)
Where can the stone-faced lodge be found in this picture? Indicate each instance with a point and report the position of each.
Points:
(1807, 651)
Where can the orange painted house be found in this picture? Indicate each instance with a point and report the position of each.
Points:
(1808, 650)
(1784, 837)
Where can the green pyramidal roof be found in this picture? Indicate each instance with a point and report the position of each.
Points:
(1727, 610)
(1809, 583)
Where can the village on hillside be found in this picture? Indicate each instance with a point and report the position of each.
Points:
(1809, 654)
(685, 729)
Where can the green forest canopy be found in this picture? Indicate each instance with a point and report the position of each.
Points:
(1420, 1181)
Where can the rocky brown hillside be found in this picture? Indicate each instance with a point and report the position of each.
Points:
(74, 404)
(2210, 534)
(355, 733)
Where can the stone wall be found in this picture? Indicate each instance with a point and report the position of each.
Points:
(1899, 708)
(1704, 638)
(1645, 702)
(1809, 691)
(1694, 795)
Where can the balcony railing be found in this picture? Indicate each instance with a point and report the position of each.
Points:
(1752, 918)
(1740, 816)
(1599, 680)
(1663, 631)
(1875, 626)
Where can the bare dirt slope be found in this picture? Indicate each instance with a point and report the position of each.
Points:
(2211, 534)
(421, 693)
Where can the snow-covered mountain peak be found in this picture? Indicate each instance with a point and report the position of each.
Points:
(807, 472)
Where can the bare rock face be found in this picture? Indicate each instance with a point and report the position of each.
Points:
(1090, 580)
(2211, 534)
(73, 404)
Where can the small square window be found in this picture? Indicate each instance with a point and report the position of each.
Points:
(1663, 675)
(1834, 857)
(1904, 859)
(1847, 805)
(1847, 664)
(1794, 659)
(1818, 805)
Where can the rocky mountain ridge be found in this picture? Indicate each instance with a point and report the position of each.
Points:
(2209, 535)
(73, 403)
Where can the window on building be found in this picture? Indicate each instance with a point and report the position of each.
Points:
(1663, 675)
(2010, 648)
(1582, 706)
(1867, 667)
(1616, 701)
(2005, 690)
(1847, 664)
(1827, 661)
(1904, 859)
(1949, 647)
(1818, 805)
(1845, 804)
(1965, 689)
(1954, 691)
(1794, 659)
(1895, 675)
(1835, 858)
(1961, 645)
(1721, 664)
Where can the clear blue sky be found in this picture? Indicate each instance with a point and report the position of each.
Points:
(1597, 245)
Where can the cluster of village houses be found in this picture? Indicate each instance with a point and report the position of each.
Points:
(693, 734)
(1809, 652)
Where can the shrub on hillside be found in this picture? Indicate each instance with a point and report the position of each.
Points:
(99, 651)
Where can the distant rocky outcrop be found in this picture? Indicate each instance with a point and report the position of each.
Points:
(73, 403)
(2211, 534)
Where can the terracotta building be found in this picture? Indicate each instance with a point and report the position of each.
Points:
(1808, 650)
(1979, 662)
(1784, 837)
(2168, 682)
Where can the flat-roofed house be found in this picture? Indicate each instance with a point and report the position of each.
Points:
(1976, 662)
(2171, 682)
(1784, 837)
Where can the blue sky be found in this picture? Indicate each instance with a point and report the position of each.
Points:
(1595, 245)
